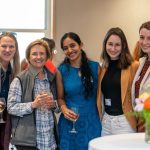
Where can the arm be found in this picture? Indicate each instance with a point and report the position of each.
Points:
(68, 114)
(14, 105)
(99, 102)
(60, 89)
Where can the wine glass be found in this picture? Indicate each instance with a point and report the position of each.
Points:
(43, 105)
(75, 110)
(2, 107)
(43, 108)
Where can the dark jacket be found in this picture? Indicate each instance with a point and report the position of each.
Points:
(5, 128)
(24, 128)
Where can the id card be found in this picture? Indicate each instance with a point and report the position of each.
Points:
(107, 102)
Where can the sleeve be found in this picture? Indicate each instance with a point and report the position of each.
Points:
(14, 104)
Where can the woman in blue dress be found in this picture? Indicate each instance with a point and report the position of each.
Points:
(77, 79)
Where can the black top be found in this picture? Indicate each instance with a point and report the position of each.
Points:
(5, 83)
(5, 88)
(111, 89)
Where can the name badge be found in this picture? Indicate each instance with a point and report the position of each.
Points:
(108, 102)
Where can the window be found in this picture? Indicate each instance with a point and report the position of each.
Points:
(29, 19)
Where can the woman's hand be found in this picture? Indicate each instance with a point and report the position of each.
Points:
(44, 100)
(50, 102)
(39, 101)
(68, 113)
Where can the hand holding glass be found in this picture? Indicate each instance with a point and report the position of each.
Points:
(2, 107)
(75, 110)
(46, 100)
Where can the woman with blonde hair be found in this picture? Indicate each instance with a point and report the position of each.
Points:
(9, 68)
(31, 102)
(142, 78)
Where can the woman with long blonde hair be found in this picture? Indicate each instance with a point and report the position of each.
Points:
(9, 68)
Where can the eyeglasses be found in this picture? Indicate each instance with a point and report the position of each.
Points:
(8, 32)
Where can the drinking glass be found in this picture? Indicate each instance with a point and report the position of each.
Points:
(75, 110)
(43, 108)
(2, 107)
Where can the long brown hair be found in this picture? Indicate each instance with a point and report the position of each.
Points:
(125, 58)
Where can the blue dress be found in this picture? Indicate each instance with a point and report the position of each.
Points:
(88, 125)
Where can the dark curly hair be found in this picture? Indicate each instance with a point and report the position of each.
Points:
(86, 73)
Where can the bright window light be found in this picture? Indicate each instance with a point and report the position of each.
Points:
(24, 39)
(29, 19)
(22, 14)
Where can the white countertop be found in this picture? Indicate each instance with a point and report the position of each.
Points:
(131, 141)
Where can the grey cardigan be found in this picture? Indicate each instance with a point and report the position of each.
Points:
(23, 128)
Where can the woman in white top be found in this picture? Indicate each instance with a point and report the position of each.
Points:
(142, 77)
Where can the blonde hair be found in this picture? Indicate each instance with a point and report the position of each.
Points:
(15, 62)
(38, 42)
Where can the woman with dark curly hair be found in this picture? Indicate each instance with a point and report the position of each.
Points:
(77, 79)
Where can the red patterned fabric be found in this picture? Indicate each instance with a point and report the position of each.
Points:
(138, 82)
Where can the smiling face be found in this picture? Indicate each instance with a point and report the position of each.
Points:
(145, 40)
(72, 49)
(113, 47)
(38, 57)
(7, 49)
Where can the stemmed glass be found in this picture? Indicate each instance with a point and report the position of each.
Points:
(2, 107)
(75, 110)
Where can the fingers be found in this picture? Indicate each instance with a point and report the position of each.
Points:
(70, 115)
(43, 100)
(50, 103)
(37, 102)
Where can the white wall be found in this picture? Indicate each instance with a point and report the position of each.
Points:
(91, 19)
